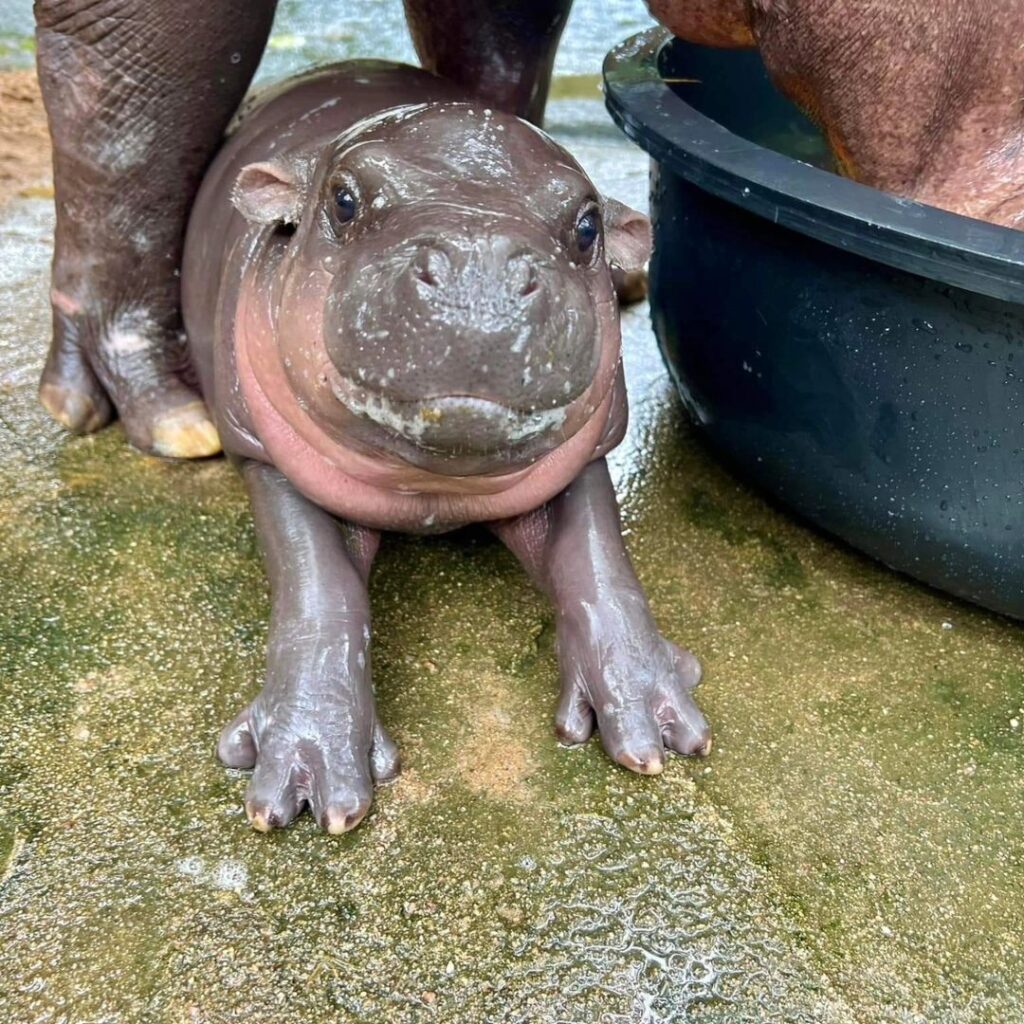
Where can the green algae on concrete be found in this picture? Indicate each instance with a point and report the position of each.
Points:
(852, 851)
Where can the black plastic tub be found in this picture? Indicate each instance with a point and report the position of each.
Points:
(859, 356)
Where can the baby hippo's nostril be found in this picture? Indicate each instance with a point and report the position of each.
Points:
(432, 267)
(522, 276)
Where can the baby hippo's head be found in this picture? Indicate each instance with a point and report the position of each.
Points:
(443, 294)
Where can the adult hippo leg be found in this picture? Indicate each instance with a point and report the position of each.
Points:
(312, 733)
(138, 95)
(501, 50)
(615, 665)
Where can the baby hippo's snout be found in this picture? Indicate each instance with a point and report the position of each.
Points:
(468, 345)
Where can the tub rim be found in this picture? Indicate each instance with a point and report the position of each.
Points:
(900, 233)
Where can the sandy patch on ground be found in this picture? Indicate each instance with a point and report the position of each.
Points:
(24, 140)
(495, 761)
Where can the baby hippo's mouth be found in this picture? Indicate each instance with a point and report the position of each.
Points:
(454, 427)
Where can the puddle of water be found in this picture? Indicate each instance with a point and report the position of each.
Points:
(16, 28)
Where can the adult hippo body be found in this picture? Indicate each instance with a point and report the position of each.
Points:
(401, 308)
(918, 98)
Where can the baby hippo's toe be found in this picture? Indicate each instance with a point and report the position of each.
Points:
(684, 729)
(236, 747)
(636, 687)
(340, 804)
(272, 800)
(288, 776)
(632, 737)
(385, 762)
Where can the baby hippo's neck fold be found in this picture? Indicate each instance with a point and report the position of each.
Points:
(390, 493)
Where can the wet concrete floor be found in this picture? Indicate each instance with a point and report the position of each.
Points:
(852, 851)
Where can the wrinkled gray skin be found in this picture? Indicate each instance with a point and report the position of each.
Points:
(402, 320)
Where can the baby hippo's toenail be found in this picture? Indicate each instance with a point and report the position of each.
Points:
(650, 763)
(259, 820)
(337, 822)
(334, 825)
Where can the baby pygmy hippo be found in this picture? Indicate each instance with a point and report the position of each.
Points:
(401, 308)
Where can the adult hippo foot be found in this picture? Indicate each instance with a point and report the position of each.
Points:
(137, 98)
(619, 673)
(309, 747)
(128, 364)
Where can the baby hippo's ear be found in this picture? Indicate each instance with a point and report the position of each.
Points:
(627, 236)
(269, 192)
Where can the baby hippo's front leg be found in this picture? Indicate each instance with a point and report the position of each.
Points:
(615, 665)
(312, 733)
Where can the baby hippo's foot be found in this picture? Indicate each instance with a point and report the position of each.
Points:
(315, 746)
(618, 672)
(128, 363)
(618, 669)
(312, 735)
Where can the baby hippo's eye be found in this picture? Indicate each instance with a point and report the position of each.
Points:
(344, 205)
(588, 230)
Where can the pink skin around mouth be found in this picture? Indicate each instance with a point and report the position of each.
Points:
(385, 493)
